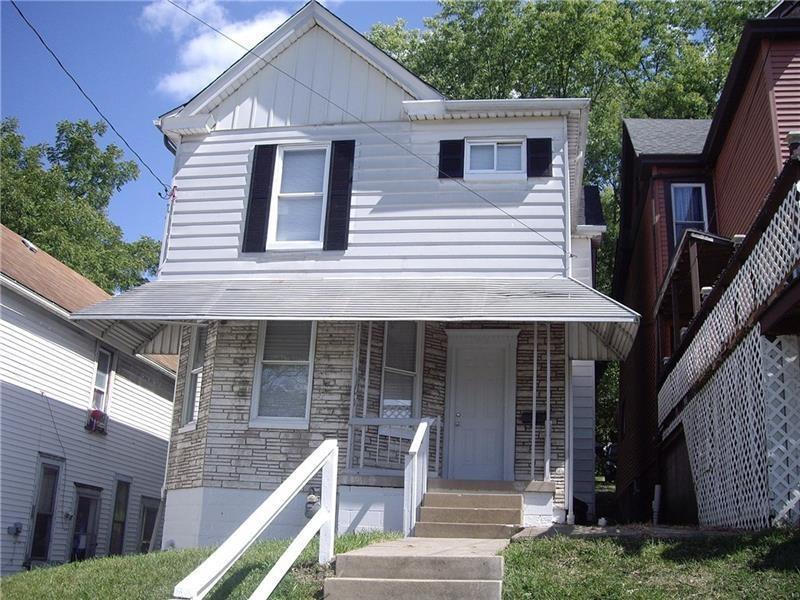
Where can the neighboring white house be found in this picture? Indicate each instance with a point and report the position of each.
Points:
(349, 252)
(84, 424)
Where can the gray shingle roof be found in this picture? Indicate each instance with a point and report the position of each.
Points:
(667, 136)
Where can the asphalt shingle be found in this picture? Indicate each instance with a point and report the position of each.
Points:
(667, 136)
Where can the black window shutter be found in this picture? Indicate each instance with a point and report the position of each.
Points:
(340, 187)
(540, 157)
(451, 159)
(255, 225)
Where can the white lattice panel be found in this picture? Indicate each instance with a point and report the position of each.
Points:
(724, 428)
(771, 260)
(782, 419)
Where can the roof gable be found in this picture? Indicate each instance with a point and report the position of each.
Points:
(667, 136)
(271, 47)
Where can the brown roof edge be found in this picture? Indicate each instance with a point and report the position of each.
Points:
(788, 176)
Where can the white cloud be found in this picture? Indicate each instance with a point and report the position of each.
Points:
(203, 53)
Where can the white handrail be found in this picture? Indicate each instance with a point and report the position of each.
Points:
(415, 482)
(200, 581)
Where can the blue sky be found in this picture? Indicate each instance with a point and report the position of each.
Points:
(137, 60)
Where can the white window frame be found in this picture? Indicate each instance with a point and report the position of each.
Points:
(494, 174)
(272, 224)
(267, 422)
(675, 222)
(186, 423)
(417, 374)
(112, 364)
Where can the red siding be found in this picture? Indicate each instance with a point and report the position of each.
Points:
(784, 70)
(747, 162)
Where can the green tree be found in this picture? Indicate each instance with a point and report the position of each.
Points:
(632, 58)
(57, 196)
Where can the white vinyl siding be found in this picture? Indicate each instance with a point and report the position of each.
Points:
(47, 374)
(284, 373)
(403, 218)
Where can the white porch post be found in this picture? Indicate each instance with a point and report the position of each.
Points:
(366, 392)
(535, 388)
(353, 386)
(547, 413)
(569, 479)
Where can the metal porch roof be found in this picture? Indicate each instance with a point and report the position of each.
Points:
(338, 299)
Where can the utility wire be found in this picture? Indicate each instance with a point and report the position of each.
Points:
(88, 98)
(362, 122)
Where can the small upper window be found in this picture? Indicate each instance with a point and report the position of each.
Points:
(194, 380)
(102, 380)
(284, 372)
(495, 157)
(299, 197)
(688, 209)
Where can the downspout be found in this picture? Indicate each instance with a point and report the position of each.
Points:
(569, 482)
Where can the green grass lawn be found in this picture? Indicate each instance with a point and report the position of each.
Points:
(153, 576)
(765, 565)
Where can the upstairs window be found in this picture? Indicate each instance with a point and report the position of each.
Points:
(493, 158)
(284, 373)
(688, 209)
(102, 380)
(299, 198)
(194, 379)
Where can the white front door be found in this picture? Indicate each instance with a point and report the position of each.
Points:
(480, 397)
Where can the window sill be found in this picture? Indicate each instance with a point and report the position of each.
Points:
(190, 426)
(294, 246)
(490, 177)
(276, 423)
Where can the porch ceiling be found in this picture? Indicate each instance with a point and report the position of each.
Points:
(337, 299)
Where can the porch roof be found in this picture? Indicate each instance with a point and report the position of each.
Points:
(559, 299)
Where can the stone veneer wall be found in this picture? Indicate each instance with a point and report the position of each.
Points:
(224, 451)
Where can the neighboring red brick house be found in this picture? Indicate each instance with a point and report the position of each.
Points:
(689, 187)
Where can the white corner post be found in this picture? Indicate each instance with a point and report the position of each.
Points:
(327, 533)
(353, 388)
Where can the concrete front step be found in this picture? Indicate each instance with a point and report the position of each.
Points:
(465, 530)
(419, 567)
(356, 588)
(472, 500)
(500, 516)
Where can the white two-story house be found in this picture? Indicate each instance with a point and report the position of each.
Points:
(348, 252)
(84, 420)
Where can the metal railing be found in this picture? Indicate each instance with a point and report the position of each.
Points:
(379, 445)
(200, 581)
(415, 481)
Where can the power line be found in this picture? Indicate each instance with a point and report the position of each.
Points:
(88, 98)
(362, 122)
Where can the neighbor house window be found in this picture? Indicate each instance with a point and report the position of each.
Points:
(495, 157)
(44, 511)
(284, 371)
(299, 198)
(147, 522)
(102, 380)
(119, 517)
(688, 209)
(194, 379)
(400, 369)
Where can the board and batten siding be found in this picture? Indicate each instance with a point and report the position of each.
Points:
(47, 369)
(404, 219)
(316, 60)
